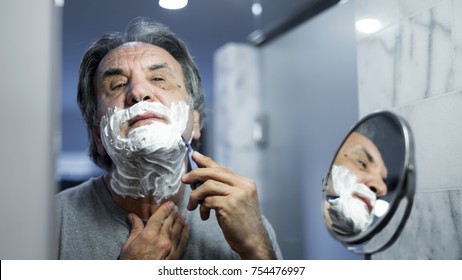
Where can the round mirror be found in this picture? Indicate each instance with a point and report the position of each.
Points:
(370, 174)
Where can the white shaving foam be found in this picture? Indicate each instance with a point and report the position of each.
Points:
(150, 158)
(345, 185)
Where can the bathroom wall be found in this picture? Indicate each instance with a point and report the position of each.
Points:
(300, 91)
(413, 66)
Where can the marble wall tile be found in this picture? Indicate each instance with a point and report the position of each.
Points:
(457, 41)
(236, 102)
(377, 72)
(425, 55)
(433, 230)
(435, 124)
(236, 107)
(410, 7)
(385, 11)
(424, 72)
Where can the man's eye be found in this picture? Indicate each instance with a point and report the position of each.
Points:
(157, 79)
(362, 164)
(118, 86)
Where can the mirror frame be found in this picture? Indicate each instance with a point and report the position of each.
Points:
(405, 188)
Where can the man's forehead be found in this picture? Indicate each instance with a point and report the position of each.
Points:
(139, 52)
(139, 47)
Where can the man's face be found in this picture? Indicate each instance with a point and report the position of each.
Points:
(137, 72)
(361, 156)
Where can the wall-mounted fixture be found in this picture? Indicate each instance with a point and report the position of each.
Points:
(370, 177)
(270, 28)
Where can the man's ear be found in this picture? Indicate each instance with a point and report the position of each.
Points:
(97, 139)
(197, 125)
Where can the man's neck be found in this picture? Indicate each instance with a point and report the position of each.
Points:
(143, 207)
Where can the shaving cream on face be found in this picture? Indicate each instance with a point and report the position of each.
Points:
(348, 204)
(149, 159)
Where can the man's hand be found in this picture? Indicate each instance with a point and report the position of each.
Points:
(235, 201)
(163, 237)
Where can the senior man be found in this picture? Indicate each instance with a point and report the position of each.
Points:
(141, 98)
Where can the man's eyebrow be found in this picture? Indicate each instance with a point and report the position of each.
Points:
(119, 71)
(371, 159)
(164, 66)
(368, 155)
(112, 71)
(159, 66)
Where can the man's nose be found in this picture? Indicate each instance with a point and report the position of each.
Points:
(376, 184)
(140, 90)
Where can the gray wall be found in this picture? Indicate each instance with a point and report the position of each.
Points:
(29, 55)
(413, 66)
(307, 91)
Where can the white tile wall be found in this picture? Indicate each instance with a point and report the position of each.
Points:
(437, 128)
(433, 230)
(457, 41)
(410, 7)
(425, 57)
(377, 70)
(414, 68)
(386, 11)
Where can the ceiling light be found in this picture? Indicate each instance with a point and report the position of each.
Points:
(173, 4)
(257, 9)
(368, 25)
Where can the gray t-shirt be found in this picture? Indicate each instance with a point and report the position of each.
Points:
(91, 226)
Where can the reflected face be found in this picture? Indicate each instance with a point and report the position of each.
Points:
(370, 174)
(357, 179)
(361, 156)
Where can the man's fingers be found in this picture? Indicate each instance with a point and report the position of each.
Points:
(165, 235)
(178, 228)
(209, 188)
(157, 220)
(137, 227)
(167, 225)
(179, 240)
(184, 239)
(205, 161)
(220, 174)
(205, 212)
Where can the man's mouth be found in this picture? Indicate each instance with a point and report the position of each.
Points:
(140, 120)
(366, 201)
(144, 119)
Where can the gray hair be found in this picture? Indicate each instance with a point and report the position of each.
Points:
(138, 30)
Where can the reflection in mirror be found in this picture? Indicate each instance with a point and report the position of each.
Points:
(366, 178)
(358, 179)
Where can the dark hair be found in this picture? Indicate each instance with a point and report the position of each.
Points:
(138, 30)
